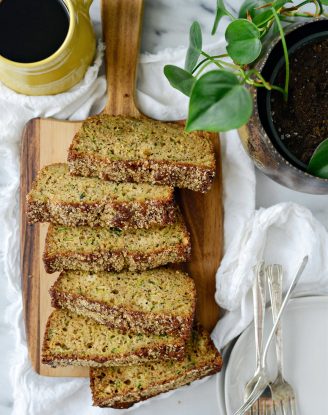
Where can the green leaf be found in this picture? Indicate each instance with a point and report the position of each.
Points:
(195, 46)
(179, 79)
(263, 18)
(249, 7)
(244, 44)
(220, 12)
(318, 165)
(218, 102)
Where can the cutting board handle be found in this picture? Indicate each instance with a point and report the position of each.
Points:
(121, 21)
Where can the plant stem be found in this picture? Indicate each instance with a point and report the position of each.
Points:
(267, 86)
(305, 14)
(230, 65)
(298, 6)
(206, 63)
(266, 29)
(284, 46)
(232, 17)
(262, 83)
(318, 7)
(210, 58)
(260, 77)
(206, 59)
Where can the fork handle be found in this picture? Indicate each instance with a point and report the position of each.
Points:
(259, 300)
(275, 289)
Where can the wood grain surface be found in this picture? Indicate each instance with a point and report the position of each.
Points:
(46, 141)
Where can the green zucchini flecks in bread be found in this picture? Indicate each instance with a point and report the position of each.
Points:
(104, 249)
(71, 339)
(124, 149)
(160, 301)
(121, 387)
(63, 199)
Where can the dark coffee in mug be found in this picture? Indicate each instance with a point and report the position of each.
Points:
(32, 30)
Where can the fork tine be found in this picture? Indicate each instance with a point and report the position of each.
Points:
(292, 406)
(253, 397)
(283, 408)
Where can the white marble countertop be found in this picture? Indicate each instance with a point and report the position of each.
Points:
(166, 24)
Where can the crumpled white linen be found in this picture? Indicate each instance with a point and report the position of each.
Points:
(281, 234)
(33, 394)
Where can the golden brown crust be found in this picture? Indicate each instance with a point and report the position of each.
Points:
(209, 364)
(124, 318)
(114, 260)
(159, 351)
(181, 175)
(105, 212)
(123, 215)
(160, 388)
(197, 177)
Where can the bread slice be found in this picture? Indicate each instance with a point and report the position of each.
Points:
(125, 149)
(60, 198)
(105, 249)
(159, 301)
(71, 339)
(121, 387)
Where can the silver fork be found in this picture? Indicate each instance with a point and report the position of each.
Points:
(283, 395)
(263, 381)
(264, 404)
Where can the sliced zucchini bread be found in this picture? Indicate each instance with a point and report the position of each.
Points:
(121, 387)
(159, 301)
(105, 249)
(75, 340)
(125, 149)
(63, 199)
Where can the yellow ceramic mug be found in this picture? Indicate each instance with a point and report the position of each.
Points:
(64, 68)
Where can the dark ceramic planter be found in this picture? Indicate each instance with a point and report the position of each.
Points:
(259, 138)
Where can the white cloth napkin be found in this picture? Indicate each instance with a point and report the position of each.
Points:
(282, 234)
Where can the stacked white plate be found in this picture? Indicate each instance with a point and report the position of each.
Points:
(305, 338)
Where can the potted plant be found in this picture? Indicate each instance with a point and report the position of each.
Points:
(271, 84)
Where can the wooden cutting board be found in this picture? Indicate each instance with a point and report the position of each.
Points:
(46, 141)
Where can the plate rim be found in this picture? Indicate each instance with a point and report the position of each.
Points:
(293, 302)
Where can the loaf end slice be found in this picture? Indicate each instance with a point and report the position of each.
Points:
(160, 301)
(105, 249)
(60, 198)
(124, 149)
(121, 387)
(71, 339)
